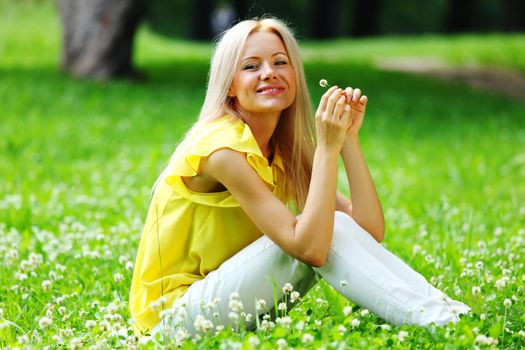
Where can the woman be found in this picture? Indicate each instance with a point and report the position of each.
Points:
(220, 221)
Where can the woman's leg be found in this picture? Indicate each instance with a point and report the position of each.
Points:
(251, 273)
(378, 280)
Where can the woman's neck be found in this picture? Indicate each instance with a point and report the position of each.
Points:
(263, 127)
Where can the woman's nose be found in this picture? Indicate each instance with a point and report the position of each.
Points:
(267, 72)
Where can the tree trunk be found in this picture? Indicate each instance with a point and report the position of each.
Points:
(325, 19)
(514, 15)
(98, 37)
(201, 21)
(460, 15)
(365, 16)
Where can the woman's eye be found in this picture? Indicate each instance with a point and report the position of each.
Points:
(249, 67)
(281, 62)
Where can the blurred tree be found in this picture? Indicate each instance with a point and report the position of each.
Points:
(366, 17)
(514, 15)
(459, 15)
(189, 19)
(325, 19)
(98, 37)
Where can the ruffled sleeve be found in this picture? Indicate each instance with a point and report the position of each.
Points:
(204, 139)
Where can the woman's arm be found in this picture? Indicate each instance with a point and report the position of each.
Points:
(366, 206)
(309, 237)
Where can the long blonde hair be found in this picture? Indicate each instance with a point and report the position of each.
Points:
(294, 135)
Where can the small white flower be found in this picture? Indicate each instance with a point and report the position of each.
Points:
(3, 324)
(117, 277)
(476, 290)
(307, 338)
(365, 312)
(249, 318)
(475, 330)
(323, 83)
(288, 288)
(282, 307)
(267, 325)
(281, 343)
(507, 302)
(355, 322)
(236, 305)
(341, 329)
(45, 322)
(285, 321)
(482, 317)
(46, 285)
(233, 316)
(343, 283)
(521, 333)
(254, 341)
(385, 327)
(260, 304)
(479, 265)
(75, 343)
(402, 335)
(62, 310)
(202, 325)
(347, 310)
(90, 324)
(294, 296)
(23, 339)
(234, 295)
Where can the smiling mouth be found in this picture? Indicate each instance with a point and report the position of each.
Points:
(270, 91)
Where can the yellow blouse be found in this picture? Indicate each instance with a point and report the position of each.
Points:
(187, 234)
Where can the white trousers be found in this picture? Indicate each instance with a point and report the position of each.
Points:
(375, 279)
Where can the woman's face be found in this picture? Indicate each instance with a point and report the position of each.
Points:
(264, 81)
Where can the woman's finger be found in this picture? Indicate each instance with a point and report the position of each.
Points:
(356, 95)
(345, 116)
(349, 92)
(363, 100)
(324, 100)
(339, 106)
(334, 96)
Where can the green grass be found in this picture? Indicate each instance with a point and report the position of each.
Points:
(78, 158)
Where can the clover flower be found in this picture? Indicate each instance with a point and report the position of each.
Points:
(254, 341)
(202, 324)
(507, 302)
(294, 296)
(282, 307)
(347, 310)
(75, 343)
(260, 304)
(323, 83)
(287, 288)
(307, 338)
(281, 343)
(355, 322)
(402, 335)
(45, 322)
(236, 305)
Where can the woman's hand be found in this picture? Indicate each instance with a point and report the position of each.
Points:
(357, 114)
(333, 119)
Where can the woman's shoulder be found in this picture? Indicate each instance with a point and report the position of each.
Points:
(224, 132)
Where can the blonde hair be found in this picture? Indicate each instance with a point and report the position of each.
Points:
(294, 135)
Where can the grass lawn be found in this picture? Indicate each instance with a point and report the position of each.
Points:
(78, 159)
